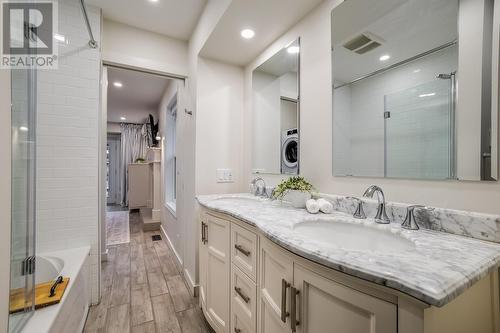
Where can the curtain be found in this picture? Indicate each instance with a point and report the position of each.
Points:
(134, 143)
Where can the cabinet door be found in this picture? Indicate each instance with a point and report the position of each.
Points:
(203, 257)
(218, 272)
(276, 267)
(324, 305)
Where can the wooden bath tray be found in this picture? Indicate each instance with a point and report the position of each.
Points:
(42, 299)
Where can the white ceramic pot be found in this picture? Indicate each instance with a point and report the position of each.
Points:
(297, 198)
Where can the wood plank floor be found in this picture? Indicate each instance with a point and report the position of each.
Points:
(143, 290)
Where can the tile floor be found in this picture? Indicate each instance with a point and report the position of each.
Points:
(143, 290)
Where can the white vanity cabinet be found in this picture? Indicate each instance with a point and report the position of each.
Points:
(214, 261)
(249, 284)
(295, 298)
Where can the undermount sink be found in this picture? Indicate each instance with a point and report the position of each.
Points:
(351, 236)
(240, 199)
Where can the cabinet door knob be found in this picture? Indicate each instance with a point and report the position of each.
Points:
(284, 286)
(237, 330)
(203, 232)
(242, 250)
(206, 234)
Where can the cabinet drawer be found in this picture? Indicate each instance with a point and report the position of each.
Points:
(244, 250)
(243, 300)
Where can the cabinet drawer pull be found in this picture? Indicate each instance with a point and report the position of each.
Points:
(237, 330)
(241, 294)
(242, 250)
(293, 309)
(284, 287)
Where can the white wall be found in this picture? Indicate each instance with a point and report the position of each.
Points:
(67, 142)
(316, 130)
(218, 122)
(5, 202)
(113, 127)
(126, 45)
(188, 214)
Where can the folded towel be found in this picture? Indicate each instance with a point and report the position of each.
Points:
(325, 206)
(312, 206)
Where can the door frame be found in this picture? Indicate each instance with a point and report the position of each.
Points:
(102, 141)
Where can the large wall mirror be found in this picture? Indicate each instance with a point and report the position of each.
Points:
(412, 89)
(275, 110)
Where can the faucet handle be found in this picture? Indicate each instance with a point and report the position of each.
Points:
(410, 222)
(359, 213)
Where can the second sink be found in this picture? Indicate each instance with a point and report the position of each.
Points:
(352, 236)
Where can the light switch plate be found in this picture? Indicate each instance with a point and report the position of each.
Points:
(224, 176)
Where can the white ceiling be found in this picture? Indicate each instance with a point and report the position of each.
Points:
(407, 28)
(269, 19)
(174, 18)
(139, 96)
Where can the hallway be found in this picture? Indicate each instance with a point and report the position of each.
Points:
(143, 290)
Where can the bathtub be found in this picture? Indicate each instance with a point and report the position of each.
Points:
(69, 315)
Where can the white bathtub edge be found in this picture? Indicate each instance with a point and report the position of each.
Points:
(43, 320)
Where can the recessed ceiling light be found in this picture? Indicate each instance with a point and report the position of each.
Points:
(247, 33)
(293, 49)
(118, 84)
(384, 57)
(123, 118)
(153, 0)
(427, 95)
(417, 70)
(23, 128)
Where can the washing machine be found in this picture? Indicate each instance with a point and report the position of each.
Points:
(290, 152)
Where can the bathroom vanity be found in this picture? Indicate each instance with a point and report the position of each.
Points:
(267, 267)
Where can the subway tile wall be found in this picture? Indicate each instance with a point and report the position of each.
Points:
(67, 141)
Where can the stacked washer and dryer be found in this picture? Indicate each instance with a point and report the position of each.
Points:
(290, 151)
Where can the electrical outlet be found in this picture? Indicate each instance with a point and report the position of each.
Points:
(224, 176)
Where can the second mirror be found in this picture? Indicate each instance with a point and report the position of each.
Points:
(275, 99)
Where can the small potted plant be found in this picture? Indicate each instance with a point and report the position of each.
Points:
(296, 190)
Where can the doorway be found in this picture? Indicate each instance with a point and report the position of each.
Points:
(131, 98)
(113, 170)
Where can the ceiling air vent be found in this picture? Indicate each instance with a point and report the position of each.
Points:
(361, 44)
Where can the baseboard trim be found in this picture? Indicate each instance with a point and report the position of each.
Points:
(188, 281)
(171, 246)
(192, 287)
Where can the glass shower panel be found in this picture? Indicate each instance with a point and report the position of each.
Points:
(22, 277)
(419, 129)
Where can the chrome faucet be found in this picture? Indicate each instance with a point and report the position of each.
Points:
(259, 191)
(381, 216)
(359, 213)
(409, 222)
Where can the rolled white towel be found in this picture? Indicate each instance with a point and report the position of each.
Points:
(325, 206)
(312, 206)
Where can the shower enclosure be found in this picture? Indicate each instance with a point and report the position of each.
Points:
(23, 131)
(419, 131)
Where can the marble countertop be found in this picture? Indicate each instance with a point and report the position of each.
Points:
(439, 268)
